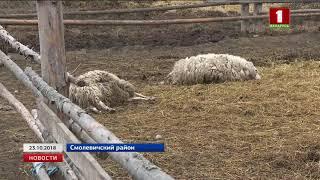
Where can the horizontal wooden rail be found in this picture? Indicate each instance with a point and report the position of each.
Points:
(24, 50)
(147, 22)
(137, 10)
(299, 11)
(19, 74)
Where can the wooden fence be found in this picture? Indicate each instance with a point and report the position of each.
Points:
(55, 117)
(144, 10)
(256, 17)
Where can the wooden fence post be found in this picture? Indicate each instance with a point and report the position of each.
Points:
(244, 23)
(258, 25)
(3, 46)
(52, 51)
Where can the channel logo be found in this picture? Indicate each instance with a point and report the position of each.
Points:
(279, 17)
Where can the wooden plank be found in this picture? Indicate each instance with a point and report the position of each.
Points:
(89, 167)
(147, 22)
(244, 23)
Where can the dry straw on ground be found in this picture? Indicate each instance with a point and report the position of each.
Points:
(267, 129)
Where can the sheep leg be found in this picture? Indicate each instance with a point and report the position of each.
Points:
(93, 109)
(105, 107)
(139, 96)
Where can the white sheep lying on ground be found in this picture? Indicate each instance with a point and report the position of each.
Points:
(212, 68)
(101, 90)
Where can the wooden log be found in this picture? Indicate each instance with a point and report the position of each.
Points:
(138, 10)
(3, 47)
(52, 50)
(89, 167)
(76, 130)
(65, 169)
(244, 23)
(15, 69)
(21, 76)
(148, 22)
(22, 110)
(137, 166)
(31, 121)
(79, 132)
(74, 168)
(41, 171)
(257, 8)
(22, 49)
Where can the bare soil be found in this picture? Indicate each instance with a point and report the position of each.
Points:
(266, 129)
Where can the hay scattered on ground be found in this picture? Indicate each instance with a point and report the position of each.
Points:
(267, 129)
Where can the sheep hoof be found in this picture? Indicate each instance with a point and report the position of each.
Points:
(111, 110)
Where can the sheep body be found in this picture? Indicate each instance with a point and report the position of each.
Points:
(212, 68)
(98, 86)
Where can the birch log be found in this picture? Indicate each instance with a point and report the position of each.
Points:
(137, 166)
(66, 170)
(22, 49)
(25, 80)
(15, 69)
(31, 121)
(21, 109)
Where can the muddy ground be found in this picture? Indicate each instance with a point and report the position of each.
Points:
(264, 129)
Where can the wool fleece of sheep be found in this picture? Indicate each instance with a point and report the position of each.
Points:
(212, 68)
(100, 91)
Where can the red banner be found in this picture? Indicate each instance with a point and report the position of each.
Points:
(42, 157)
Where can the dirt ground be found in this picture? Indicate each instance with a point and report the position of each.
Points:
(267, 129)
